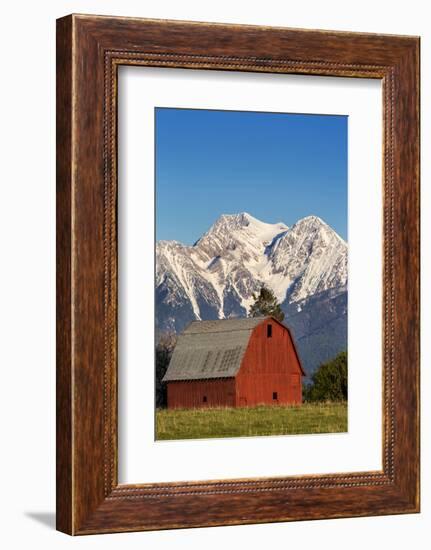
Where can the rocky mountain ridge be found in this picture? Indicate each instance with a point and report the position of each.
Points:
(305, 265)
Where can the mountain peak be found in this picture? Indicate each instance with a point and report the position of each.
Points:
(310, 221)
(216, 278)
(241, 219)
(239, 253)
(315, 224)
(239, 232)
(246, 220)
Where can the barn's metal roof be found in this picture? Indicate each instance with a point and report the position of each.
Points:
(211, 349)
(223, 325)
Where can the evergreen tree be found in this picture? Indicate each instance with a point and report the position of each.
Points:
(329, 382)
(265, 304)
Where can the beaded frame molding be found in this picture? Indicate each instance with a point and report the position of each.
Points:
(89, 51)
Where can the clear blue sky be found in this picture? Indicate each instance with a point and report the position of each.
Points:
(275, 166)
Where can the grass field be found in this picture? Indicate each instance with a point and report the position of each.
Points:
(309, 418)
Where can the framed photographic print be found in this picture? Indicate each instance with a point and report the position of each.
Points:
(237, 274)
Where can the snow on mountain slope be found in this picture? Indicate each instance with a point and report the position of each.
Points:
(217, 276)
(236, 233)
(307, 259)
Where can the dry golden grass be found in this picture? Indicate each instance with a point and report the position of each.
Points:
(309, 418)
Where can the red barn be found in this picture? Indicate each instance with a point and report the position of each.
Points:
(234, 363)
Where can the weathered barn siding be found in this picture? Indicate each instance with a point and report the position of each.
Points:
(219, 392)
(270, 371)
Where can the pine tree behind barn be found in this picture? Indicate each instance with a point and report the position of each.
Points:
(234, 363)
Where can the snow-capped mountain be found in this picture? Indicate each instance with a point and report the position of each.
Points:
(217, 276)
(307, 259)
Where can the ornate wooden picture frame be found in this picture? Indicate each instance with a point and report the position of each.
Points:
(89, 51)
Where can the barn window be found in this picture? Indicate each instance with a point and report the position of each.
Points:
(274, 396)
(269, 331)
(205, 399)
